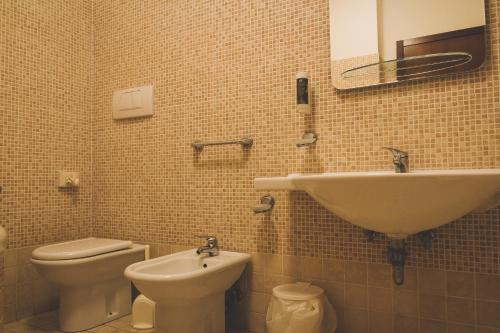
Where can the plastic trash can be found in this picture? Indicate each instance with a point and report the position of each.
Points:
(300, 308)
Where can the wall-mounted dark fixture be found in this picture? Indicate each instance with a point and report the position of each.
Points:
(266, 205)
(396, 254)
(426, 237)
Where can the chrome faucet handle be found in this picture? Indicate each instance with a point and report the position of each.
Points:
(400, 159)
(211, 240)
(396, 152)
(212, 247)
(206, 237)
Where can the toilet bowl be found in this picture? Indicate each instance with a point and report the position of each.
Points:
(89, 275)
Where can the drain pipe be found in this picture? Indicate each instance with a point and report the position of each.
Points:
(396, 254)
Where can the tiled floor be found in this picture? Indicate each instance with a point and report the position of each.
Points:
(47, 323)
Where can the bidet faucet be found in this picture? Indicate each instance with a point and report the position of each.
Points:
(400, 159)
(212, 247)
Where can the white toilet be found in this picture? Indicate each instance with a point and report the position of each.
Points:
(89, 275)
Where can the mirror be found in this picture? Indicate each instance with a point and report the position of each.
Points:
(376, 42)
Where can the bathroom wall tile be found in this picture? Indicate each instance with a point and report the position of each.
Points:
(445, 123)
(258, 302)
(334, 270)
(271, 281)
(273, 264)
(380, 322)
(483, 329)
(311, 268)
(9, 313)
(488, 287)
(356, 320)
(179, 248)
(380, 299)
(405, 324)
(25, 306)
(380, 275)
(47, 101)
(27, 273)
(258, 262)
(24, 255)
(432, 326)
(212, 191)
(10, 258)
(164, 249)
(292, 266)
(10, 296)
(257, 282)
(355, 273)
(2, 302)
(10, 276)
(405, 302)
(154, 250)
(214, 188)
(432, 306)
(432, 281)
(461, 328)
(460, 284)
(460, 310)
(335, 291)
(356, 296)
(487, 313)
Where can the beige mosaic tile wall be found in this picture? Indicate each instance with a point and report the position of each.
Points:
(45, 111)
(225, 69)
(25, 291)
(46, 71)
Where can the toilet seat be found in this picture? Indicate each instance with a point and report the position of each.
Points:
(81, 248)
(88, 274)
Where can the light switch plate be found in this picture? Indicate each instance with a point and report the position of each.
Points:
(133, 102)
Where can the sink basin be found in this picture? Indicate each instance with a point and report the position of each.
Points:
(397, 204)
(189, 289)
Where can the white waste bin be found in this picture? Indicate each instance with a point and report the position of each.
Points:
(300, 308)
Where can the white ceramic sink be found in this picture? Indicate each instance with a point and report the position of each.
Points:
(188, 288)
(397, 204)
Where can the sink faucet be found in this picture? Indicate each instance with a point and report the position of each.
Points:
(212, 247)
(400, 160)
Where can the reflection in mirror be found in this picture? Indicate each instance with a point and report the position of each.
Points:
(377, 42)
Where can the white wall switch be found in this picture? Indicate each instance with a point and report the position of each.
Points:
(68, 179)
(133, 102)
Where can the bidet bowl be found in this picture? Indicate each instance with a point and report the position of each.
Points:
(188, 289)
(186, 276)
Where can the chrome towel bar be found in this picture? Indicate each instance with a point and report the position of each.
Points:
(245, 143)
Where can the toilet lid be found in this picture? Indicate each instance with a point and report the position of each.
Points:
(81, 248)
